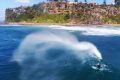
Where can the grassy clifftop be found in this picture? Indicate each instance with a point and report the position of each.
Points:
(55, 12)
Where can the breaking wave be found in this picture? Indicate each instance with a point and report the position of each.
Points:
(56, 56)
(92, 30)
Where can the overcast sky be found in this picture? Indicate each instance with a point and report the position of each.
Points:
(14, 3)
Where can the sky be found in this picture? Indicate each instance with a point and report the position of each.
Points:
(15, 3)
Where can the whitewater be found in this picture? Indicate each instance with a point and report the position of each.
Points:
(59, 53)
(56, 50)
(91, 30)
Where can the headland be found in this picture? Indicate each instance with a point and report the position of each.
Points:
(65, 13)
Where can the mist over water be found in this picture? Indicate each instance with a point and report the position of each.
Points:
(51, 55)
(45, 53)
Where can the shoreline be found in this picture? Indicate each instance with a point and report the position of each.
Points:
(64, 24)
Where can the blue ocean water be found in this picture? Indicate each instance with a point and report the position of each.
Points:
(53, 53)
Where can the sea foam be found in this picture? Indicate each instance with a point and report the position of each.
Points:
(92, 30)
(43, 55)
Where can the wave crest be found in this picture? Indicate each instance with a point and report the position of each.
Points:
(92, 30)
(43, 55)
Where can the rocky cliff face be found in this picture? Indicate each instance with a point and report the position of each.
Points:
(78, 12)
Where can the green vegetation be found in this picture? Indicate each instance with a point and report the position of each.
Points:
(50, 18)
(89, 14)
(24, 14)
(113, 19)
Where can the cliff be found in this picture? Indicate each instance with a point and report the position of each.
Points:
(65, 12)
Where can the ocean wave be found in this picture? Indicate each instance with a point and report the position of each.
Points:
(52, 55)
(92, 30)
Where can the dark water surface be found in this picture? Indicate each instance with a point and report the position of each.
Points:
(28, 56)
